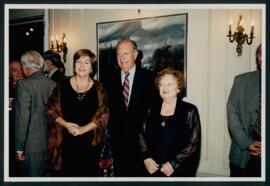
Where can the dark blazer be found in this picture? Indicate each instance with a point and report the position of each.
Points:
(57, 76)
(124, 125)
(183, 138)
(31, 95)
(242, 105)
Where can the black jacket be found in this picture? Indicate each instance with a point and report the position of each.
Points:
(57, 76)
(124, 125)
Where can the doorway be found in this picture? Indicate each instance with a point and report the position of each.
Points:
(26, 34)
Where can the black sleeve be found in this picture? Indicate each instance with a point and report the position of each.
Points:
(183, 156)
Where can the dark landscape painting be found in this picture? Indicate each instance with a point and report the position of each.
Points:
(162, 42)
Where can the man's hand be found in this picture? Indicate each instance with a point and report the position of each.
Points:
(255, 148)
(20, 156)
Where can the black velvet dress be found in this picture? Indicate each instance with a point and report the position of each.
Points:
(79, 157)
(174, 139)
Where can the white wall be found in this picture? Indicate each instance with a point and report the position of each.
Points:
(212, 63)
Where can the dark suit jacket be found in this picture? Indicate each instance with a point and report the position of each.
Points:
(124, 125)
(242, 105)
(57, 76)
(31, 95)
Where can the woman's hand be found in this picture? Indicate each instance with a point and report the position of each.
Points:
(65, 123)
(76, 130)
(167, 169)
(69, 125)
(151, 165)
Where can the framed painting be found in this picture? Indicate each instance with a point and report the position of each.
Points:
(161, 41)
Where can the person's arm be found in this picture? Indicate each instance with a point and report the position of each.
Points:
(53, 107)
(62, 122)
(192, 147)
(236, 129)
(149, 163)
(22, 108)
(101, 116)
(98, 121)
(53, 110)
(76, 130)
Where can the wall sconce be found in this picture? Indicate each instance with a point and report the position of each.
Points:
(239, 35)
(60, 47)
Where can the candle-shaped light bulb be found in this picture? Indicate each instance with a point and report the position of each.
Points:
(52, 43)
(252, 26)
(56, 39)
(230, 26)
(56, 42)
(65, 40)
(241, 22)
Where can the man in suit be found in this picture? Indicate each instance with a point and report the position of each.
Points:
(53, 62)
(15, 74)
(31, 95)
(243, 112)
(129, 91)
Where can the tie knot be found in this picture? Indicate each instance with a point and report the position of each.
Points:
(126, 73)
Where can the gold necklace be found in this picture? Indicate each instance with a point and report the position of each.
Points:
(164, 120)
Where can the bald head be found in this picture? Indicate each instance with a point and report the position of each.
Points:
(15, 70)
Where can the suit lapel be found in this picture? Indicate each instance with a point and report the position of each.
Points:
(135, 87)
(253, 84)
(118, 80)
(119, 89)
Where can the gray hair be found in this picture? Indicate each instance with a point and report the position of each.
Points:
(32, 59)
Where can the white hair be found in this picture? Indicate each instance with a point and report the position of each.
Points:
(32, 59)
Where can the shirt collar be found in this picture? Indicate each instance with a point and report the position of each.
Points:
(131, 71)
(52, 72)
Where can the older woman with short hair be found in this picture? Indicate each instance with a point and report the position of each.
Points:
(171, 141)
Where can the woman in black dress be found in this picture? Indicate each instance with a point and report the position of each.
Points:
(171, 141)
(78, 107)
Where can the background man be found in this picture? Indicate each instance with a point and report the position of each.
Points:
(15, 74)
(31, 96)
(243, 111)
(53, 61)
